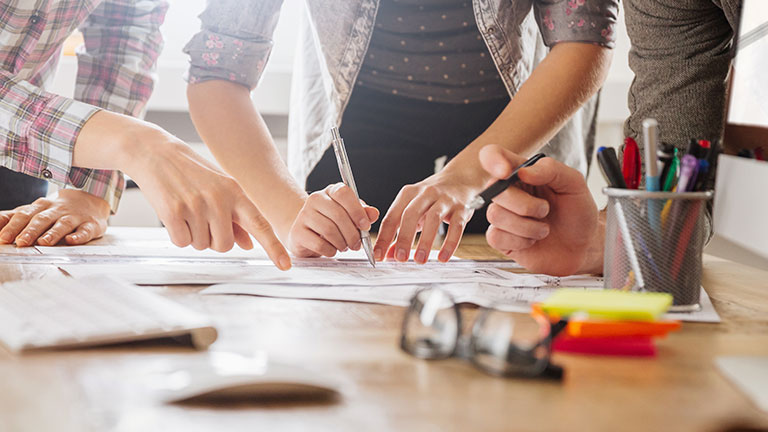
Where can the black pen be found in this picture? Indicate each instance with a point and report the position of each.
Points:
(609, 165)
(500, 186)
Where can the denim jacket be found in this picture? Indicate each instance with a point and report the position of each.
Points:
(236, 38)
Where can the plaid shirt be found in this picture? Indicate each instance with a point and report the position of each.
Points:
(38, 129)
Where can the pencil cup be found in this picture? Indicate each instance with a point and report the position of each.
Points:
(654, 242)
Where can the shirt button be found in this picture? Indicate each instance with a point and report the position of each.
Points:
(34, 19)
(47, 173)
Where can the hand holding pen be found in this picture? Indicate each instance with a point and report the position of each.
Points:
(548, 223)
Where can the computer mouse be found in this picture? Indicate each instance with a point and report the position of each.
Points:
(232, 378)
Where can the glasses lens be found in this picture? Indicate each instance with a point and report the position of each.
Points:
(508, 344)
(431, 325)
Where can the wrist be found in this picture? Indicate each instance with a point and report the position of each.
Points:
(593, 263)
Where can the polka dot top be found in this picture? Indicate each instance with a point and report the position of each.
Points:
(430, 50)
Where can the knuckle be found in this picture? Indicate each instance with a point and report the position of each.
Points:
(68, 221)
(197, 203)
(259, 223)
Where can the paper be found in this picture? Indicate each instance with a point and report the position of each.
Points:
(513, 299)
(309, 272)
(750, 374)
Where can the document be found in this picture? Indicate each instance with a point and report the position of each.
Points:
(527, 290)
(305, 272)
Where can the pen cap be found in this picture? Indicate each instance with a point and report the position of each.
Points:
(650, 141)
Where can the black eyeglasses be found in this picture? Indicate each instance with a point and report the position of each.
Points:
(500, 343)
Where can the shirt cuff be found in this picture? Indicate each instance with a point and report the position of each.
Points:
(215, 56)
(51, 139)
(579, 21)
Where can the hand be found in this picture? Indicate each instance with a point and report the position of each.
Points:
(75, 216)
(330, 221)
(548, 223)
(423, 207)
(199, 204)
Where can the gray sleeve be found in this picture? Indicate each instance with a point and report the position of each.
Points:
(587, 21)
(234, 42)
(680, 55)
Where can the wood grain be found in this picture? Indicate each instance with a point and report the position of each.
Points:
(679, 390)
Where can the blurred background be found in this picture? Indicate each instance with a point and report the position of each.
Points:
(168, 105)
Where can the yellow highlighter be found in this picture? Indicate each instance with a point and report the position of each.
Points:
(608, 304)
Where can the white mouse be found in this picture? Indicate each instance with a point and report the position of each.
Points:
(227, 377)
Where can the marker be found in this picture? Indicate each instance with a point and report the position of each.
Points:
(609, 165)
(631, 168)
(671, 178)
(703, 176)
(501, 185)
(666, 155)
(689, 166)
(650, 139)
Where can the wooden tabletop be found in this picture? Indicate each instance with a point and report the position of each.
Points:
(680, 389)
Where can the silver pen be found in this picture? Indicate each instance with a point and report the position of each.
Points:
(346, 176)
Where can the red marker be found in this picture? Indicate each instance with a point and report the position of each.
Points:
(631, 164)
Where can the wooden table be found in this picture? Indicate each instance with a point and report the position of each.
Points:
(679, 390)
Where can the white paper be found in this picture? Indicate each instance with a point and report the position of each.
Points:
(750, 374)
(308, 272)
(530, 290)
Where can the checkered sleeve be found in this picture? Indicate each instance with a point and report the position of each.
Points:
(234, 42)
(116, 71)
(38, 131)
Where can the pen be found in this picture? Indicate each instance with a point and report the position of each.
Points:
(650, 140)
(501, 185)
(345, 169)
(666, 154)
(609, 165)
(688, 168)
(631, 164)
(671, 177)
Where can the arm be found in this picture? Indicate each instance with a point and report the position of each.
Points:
(228, 58)
(115, 72)
(567, 78)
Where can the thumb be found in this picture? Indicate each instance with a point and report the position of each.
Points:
(498, 161)
(554, 174)
(372, 212)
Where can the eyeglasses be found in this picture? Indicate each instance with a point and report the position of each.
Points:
(500, 343)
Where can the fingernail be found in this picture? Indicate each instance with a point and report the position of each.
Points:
(378, 255)
(364, 224)
(543, 210)
(25, 238)
(5, 238)
(285, 262)
(420, 257)
(357, 245)
(544, 232)
(443, 256)
(401, 255)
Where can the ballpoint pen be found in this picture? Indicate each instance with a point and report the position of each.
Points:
(631, 164)
(501, 185)
(346, 176)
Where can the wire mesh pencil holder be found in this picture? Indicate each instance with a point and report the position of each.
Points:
(654, 242)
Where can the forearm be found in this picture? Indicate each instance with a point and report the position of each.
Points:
(563, 82)
(234, 131)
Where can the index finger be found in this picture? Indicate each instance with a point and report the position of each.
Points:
(391, 222)
(249, 218)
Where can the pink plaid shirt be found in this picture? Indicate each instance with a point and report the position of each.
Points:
(38, 129)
